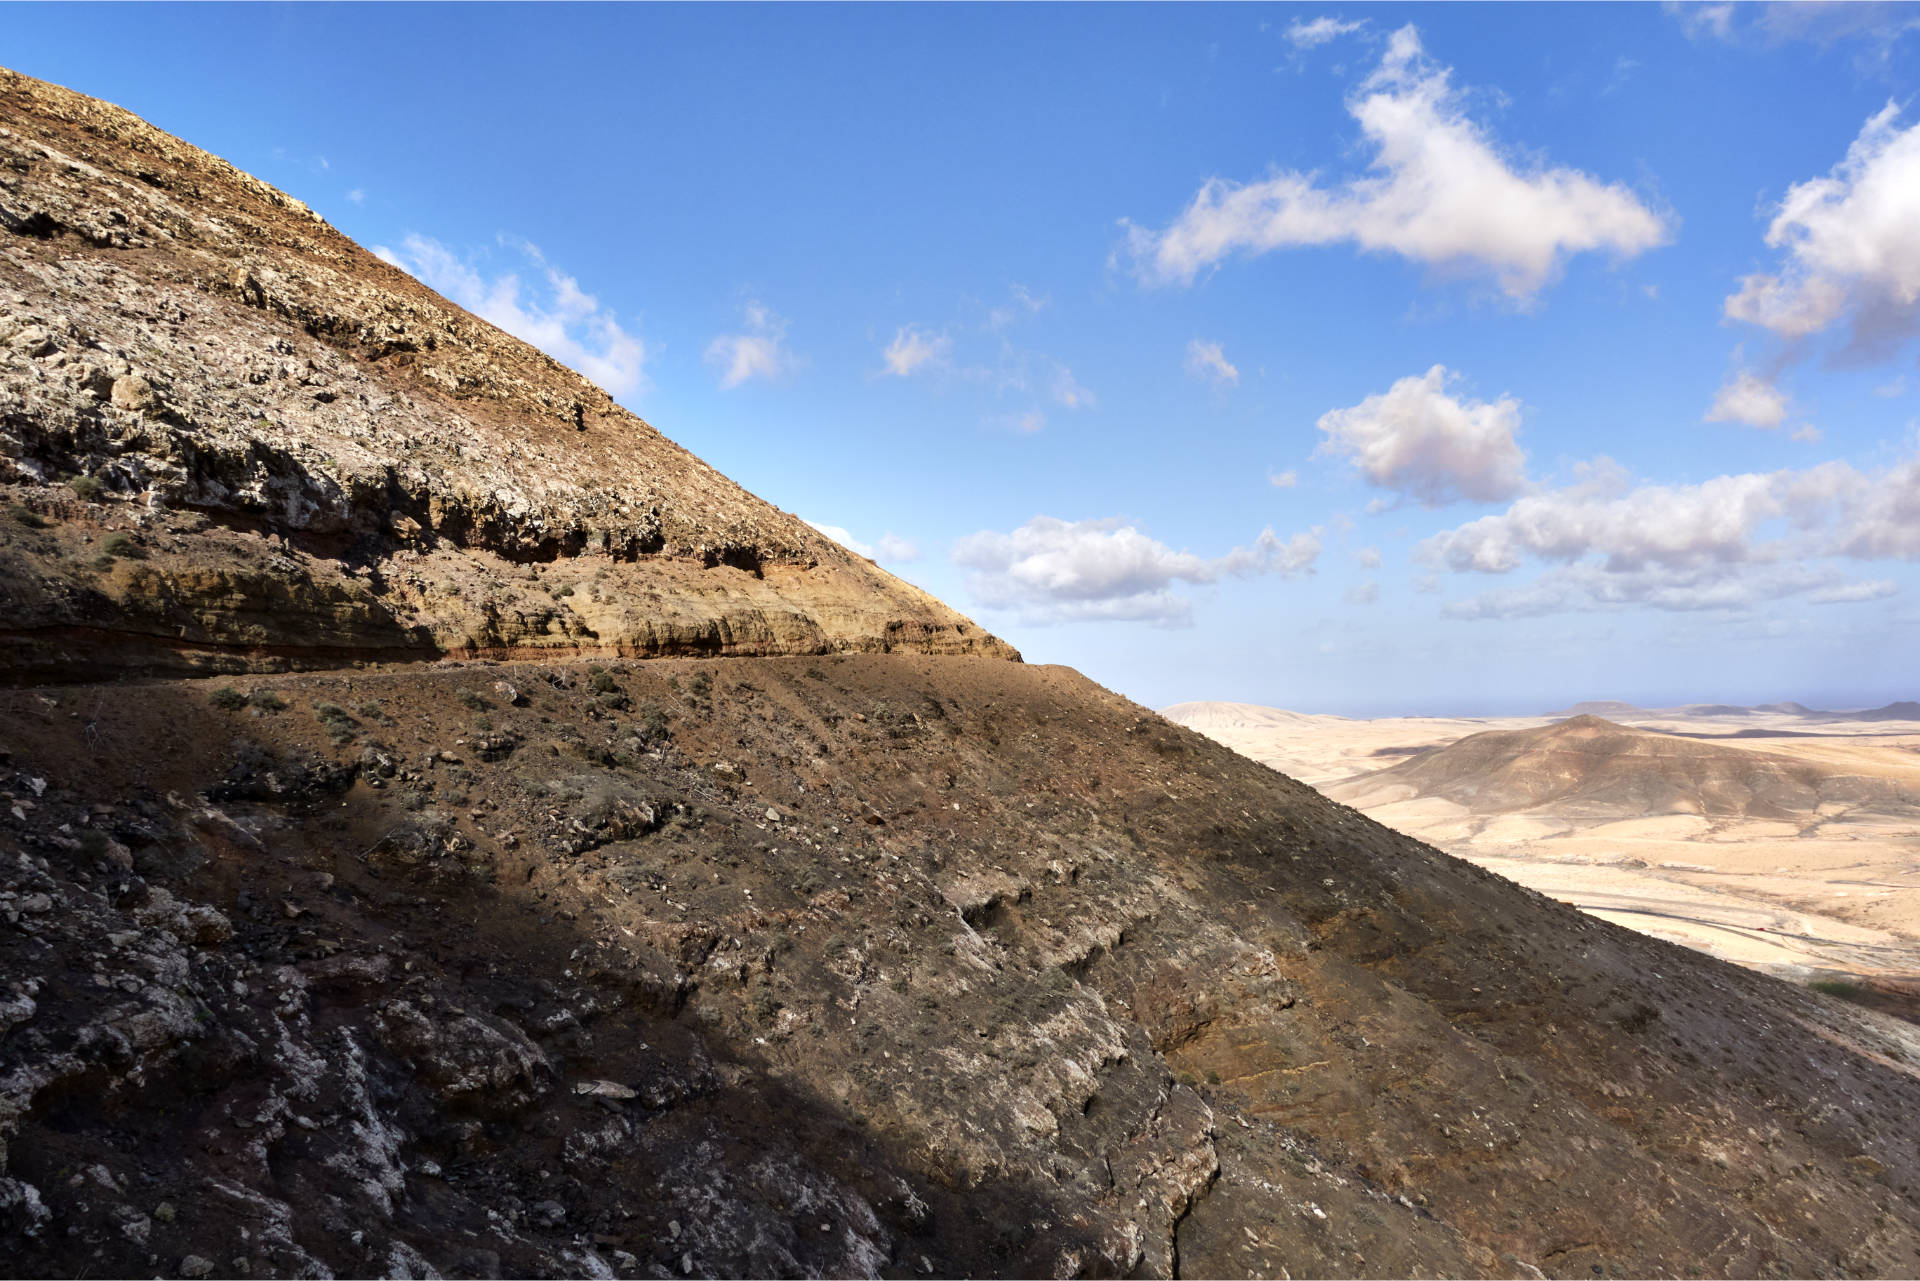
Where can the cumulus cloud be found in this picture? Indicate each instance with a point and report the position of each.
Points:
(1311, 35)
(891, 547)
(1052, 570)
(760, 352)
(1369, 557)
(1439, 192)
(1206, 360)
(1363, 593)
(568, 323)
(914, 349)
(1748, 398)
(1416, 439)
(1584, 587)
(1723, 543)
(1283, 479)
(844, 538)
(1849, 249)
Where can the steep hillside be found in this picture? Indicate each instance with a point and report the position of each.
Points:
(858, 951)
(234, 440)
(850, 965)
(1592, 768)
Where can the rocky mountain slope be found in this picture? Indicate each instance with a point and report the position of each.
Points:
(235, 440)
(878, 958)
(1587, 767)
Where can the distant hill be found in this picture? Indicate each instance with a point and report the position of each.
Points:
(1604, 707)
(1614, 709)
(1906, 710)
(1204, 716)
(1591, 767)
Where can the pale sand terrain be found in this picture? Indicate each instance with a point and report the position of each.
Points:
(1830, 888)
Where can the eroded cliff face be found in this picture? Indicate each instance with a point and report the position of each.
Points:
(181, 346)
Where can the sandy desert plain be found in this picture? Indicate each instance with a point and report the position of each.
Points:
(1778, 837)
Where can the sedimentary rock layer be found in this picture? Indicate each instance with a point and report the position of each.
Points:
(182, 346)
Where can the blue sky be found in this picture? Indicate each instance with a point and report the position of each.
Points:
(1367, 359)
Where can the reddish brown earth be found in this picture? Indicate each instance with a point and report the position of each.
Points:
(885, 956)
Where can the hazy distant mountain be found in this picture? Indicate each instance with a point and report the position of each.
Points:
(1603, 707)
(1204, 716)
(1589, 767)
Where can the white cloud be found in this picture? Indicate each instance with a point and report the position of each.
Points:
(357, 196)
(1416, 439)
(1206, 360)
(1724, 543)
(760, 352)
(842, 537)
(1369, 557)
(1714, 20)
(914, 349)
(1440, 192)
(1284, 479)
(1025, 300)
(891, 547)
(1058, 571)
(1025, 423)
(1365, 593)
(1750, 399)
(1674, 525)
(1849, 244)
(569, 324)
(1806, 433)
(1067, 391)
(1884, 521)
(1846, 593)
(1311, 35)
(1874, 28)
(1586, 587)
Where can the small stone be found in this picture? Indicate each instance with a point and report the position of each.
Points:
(164, 1212)
(773, 815)
(196, 1265)
(604, 1089)
(132, 392)
(36, 341)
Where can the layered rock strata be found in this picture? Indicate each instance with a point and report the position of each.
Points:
(316, 459)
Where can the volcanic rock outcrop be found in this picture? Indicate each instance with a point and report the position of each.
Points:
(850, 948)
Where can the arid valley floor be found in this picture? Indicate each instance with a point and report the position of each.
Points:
(1779, 837)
